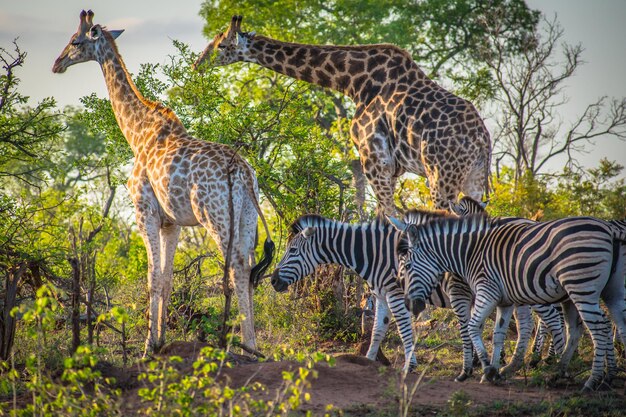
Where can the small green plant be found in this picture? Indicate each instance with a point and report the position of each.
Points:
(169, 391)
(81, 391)
(459, 403)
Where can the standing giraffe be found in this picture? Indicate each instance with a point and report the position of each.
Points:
(404, 121)
(176, 181)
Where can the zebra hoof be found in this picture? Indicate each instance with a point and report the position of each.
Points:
(534, 361)
(463, 376)
(491, 375)
(593, 385)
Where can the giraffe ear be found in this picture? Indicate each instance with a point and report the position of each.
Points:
(116, 33)
(95, 32)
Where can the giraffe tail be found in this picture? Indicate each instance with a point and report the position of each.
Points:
(259, 269)
(268, 247)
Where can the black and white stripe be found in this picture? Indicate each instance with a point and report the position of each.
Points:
(369, 249)
(462, 299)
(575, 260)
(550, 316)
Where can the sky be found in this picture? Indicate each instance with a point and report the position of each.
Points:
(43, 28)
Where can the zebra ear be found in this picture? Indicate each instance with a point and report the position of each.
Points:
(308, 232)
(484, 204)
(453, 206)
(398, 224)
(411, 232)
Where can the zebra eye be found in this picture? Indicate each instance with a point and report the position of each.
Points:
(293, 250)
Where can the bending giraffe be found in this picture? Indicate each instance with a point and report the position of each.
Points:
(404, 121)
(176, 181)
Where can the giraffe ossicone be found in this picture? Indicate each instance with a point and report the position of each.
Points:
(176, 181)
(403, 122)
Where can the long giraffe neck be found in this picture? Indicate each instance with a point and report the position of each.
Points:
(360, 72)
(136, 116)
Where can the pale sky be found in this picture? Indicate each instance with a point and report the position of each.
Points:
(45, 26)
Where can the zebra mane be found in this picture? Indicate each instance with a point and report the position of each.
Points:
(418, 216)
(303, 222)
(452, 224)
(316, 220)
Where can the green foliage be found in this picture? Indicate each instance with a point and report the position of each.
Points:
(448, 38)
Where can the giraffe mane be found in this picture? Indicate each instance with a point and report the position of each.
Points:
(166, 112)
(366, 47)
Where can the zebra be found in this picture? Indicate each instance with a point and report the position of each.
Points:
(461, 298)
(549, 319)
(369, 249)
(576, 261)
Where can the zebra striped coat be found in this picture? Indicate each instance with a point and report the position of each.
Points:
(462, 299)
(575, 260)
(551, 318)
(369, 249)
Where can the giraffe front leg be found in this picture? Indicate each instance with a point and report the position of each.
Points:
(378, 166)
(168, 236)
(149, 229)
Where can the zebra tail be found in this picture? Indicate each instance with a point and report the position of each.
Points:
(619, 230)
(259, 269)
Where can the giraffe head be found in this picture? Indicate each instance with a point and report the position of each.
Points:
(85, 43)
(227, 47)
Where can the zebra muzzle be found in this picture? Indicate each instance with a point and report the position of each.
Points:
(278, 284)
(414, 306)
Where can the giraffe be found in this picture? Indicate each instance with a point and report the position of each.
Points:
(403, 122)
(176, 181)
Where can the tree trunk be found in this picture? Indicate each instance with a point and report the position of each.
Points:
(7, 322)
(75, 303)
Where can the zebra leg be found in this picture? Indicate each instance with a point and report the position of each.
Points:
(483, 306)
(461, 299)
(551, 320)
(525, 325)
(613, 297)
(381, 323)
(573, 331)
(597, 324)
(402, 316)
(503, 317)
(541, 335)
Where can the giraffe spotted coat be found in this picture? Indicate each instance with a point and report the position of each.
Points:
(404, 121)
(176, 181)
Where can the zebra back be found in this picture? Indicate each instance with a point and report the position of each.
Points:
(369, 249)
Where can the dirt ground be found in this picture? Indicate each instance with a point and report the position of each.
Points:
(356, 383)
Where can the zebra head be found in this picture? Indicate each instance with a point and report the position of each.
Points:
(419, 274)
(298, 261)
(467, 206)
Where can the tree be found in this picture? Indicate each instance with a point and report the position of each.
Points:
(529, 97)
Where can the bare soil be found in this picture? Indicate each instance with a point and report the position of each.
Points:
(358, 386)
